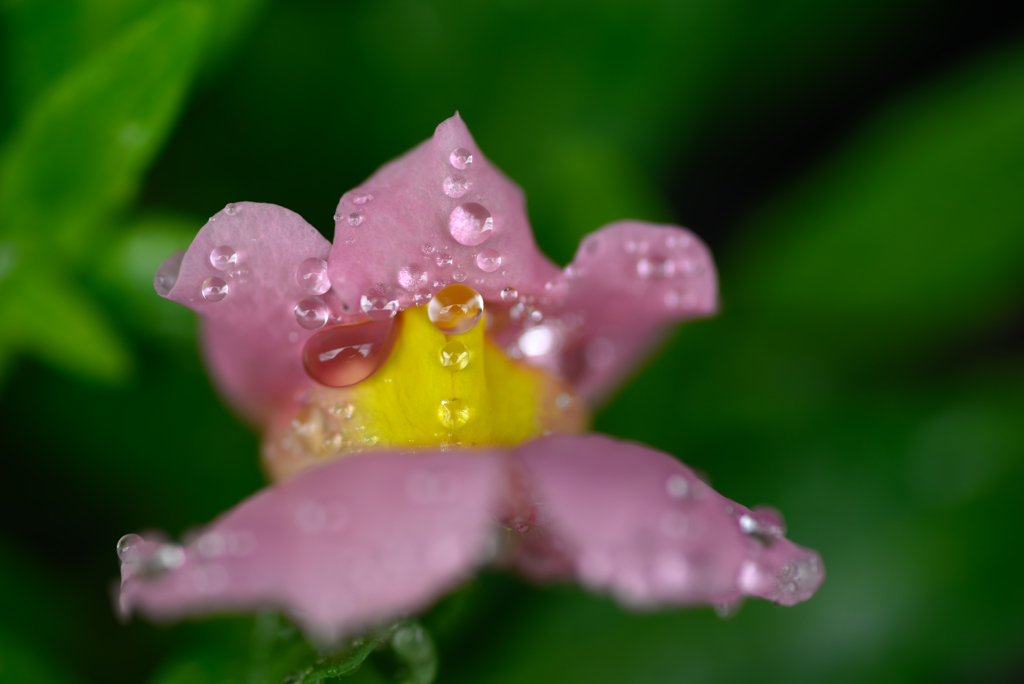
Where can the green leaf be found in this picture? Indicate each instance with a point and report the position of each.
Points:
(80, 152)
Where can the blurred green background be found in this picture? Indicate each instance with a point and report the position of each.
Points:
(856, 166)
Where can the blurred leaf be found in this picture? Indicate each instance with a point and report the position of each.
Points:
(49, 318)
(22, 663)
(80, 152)
(914, 233)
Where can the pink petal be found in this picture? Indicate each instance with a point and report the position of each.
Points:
(345, 546)
(394, 232)
(252, 338)
(638, 523)
(627, 282)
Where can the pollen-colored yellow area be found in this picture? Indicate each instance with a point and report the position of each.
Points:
(435, 390)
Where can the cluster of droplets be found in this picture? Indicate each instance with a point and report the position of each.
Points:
(669, 261)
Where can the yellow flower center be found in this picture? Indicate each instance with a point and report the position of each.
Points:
(435, 390)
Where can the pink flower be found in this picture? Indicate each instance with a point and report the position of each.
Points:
(409, 447)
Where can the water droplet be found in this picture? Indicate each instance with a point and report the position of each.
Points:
(540, 341)
(443, 260)
(223, 258)
(470, 224)
(362, 199)
(168, 557)
(456, 186)
(563, 401)
(536, 316)
(509, 294)
(460, 158)
(427, 249)
(655, 268)
(763, 523)
(413, 278)
(346, 355)
(231, 210)
(311, 313)
(312, 276)
(459, 276)
(677, 486)
(355, 218)
(214, 289)
(488, 260)
(126, 545)
(453, 413)
(455, 309)
(167, 275)
(337, 217)
(379, 303)
(343, 410)
(454, 356)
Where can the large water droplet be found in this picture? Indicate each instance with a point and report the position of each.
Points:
(453, 413)
(346, 355)
(413, 278)
(454, 356)
(456, 186)
(223, 258)
(355, 218)
(167, 275)
(509, 294)
(460, 158)
(231, 210)
(470, 224)
(488, 260)
(379, 303)
(214, 289)
(126, 545)
(456, 309)
(311, 313)
(312, 276)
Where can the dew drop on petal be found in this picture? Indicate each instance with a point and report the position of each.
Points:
(456, 186)
(167, 275)
(223, 257)
(488, 260)
(470, 224)
(126, 544)
(346, 355)
(460, 158)
(214, 289)
(231, 210)
(311, 313)
(343, 410)
(443, 260)
(456, 309)
(454, 355)
(540, 341)
(312, 276)
(453, 413)
(509, 294)
(379, 303)
(413, 278)
(355, 218)
(362, 199)
(677, 486)
(427, 249)
(459, 276)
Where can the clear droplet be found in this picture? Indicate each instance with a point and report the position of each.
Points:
(443, 260)
(453, 413)
(470, 224)
(413, 278)
(509, 294)
(459, 276)
(677, 486)
(223, 258)
(362, 199)
(126, 544)
(167, 275)
(460, 158)
(454, 356)
(456, 309)
(355, 218)
(337, 217)
(231, 210)
(379, 303)
(488, 260)
(311, 313)
(214, 289)
(456, 186)
(649, 269)
(312, 276)
(343, 410)
(763, 523)
(346, 355)
(427, 249)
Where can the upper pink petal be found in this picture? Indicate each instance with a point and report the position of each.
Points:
(353, 543)
(394, 235)
(251, 336)
(638, 523)
(600, 317)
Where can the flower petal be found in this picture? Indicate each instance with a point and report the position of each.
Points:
(426, 217)
(638, 523)
(601, 316)
(358, 541)
(240, 274)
